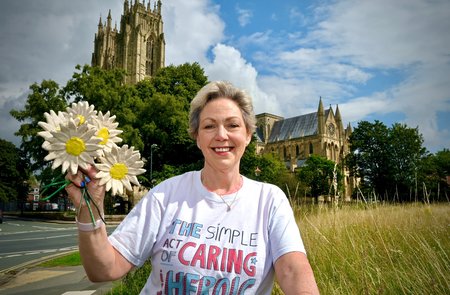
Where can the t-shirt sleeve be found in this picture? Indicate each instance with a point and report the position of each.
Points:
(284, 234)
(136, 234)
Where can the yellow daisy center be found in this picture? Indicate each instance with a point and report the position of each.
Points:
(82, 119)
(103, 133)
(75, 146)
(118, 171)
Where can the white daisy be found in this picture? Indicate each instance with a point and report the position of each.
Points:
(119, 169)
(54, 122)
(106, 129)
(72, 147)
(82, 112)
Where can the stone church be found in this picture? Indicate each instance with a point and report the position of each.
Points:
(295, 139)
(138, 47)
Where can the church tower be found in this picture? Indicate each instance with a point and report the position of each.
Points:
(139, 46)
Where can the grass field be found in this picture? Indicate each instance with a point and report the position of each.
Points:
(367, 249)
(379, 249)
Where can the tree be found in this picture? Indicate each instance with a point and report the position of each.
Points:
(13, 172)
(164, 117)
(317, 173)
(405, 153)
(368, 158)
(182, 81)
(106, 90)
(385, 159)
(432, 176)
(43, 98)
(154, 111)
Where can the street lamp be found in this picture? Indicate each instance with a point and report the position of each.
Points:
(151, 162)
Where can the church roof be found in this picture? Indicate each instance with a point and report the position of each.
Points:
(259, 135)
(295, 127)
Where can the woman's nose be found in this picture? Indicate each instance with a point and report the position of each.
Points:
(221, 133)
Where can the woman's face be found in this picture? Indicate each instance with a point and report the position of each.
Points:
(222, 135)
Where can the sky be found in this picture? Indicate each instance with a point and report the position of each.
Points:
(377, 60)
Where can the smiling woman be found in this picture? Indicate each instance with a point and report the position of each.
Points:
(191, 226)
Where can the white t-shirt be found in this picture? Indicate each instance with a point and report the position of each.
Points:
(198, 246)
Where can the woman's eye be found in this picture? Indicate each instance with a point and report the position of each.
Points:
(208, 126)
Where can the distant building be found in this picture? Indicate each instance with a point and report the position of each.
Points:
(139, 46)
(295, 139)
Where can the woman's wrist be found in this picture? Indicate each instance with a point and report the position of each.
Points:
(90, 226)
(86, 213)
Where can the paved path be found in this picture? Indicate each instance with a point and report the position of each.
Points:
(68, 280)
(29, 278)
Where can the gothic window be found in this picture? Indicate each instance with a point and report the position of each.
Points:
(149, 57)
(311, 150)
(331, 129)
(297, 150)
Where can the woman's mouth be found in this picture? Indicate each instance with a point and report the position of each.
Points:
(222, 149)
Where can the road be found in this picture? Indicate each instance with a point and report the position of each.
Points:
(22, 241)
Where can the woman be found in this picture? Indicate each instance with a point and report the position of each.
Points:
(212, 231)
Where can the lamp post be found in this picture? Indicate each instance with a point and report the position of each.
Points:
(151, 162)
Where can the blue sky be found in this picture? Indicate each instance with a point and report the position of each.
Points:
(378, 60)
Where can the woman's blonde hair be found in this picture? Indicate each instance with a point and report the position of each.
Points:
(218, 89)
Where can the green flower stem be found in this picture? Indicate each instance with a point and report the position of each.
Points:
(87, 199)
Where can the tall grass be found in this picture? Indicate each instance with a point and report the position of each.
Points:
(378, 249)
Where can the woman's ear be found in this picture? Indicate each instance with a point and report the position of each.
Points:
(249, 139)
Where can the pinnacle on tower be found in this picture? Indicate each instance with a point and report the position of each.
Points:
(338, 113)
(320, 109)
(321, 117)
(100, 24)
(109, 19)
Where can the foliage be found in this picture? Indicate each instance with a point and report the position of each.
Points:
(133, 282)
(105, 89)
(13, 172)
(43, 98)
(386, 160)
(250, 161)
(182, 81)
(271, 169)
(151, 112)
(317, 173)
(432, 177)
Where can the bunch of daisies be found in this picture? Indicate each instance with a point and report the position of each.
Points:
(81, 136)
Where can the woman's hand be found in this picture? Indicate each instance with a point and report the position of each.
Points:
(85, 178)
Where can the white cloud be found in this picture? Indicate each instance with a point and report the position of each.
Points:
(307, 62)
(405, 35)
(229, 65)
(244, 16)
(386, 33)
(191, 28)
(422, 97)
(356, 41)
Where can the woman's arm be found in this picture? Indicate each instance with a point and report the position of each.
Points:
(101, 260)
(295, 275)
